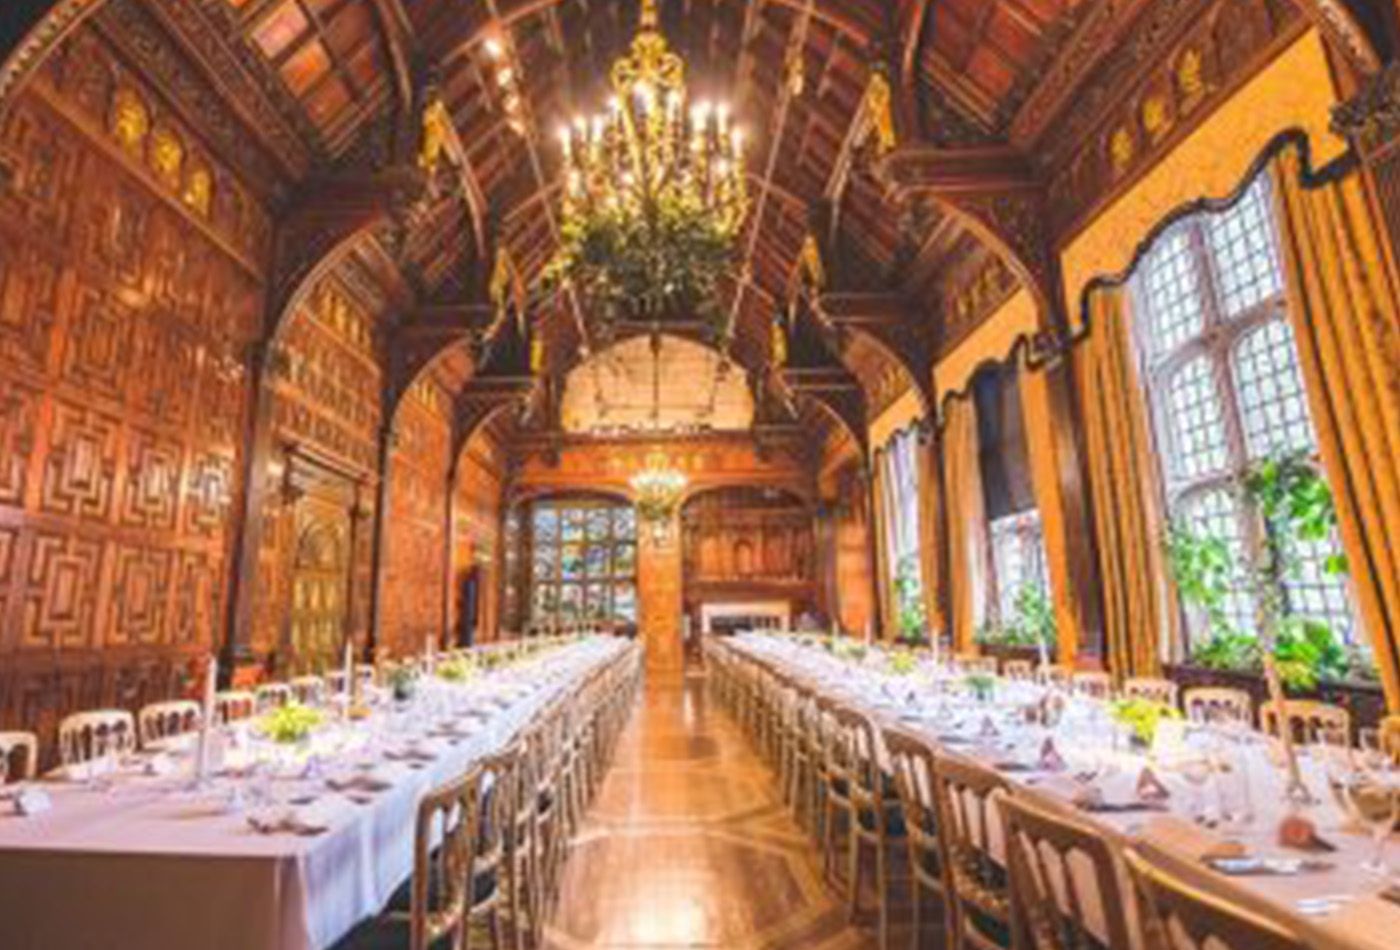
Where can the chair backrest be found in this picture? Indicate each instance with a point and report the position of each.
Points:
(1093, 683)
(308, 690)
(1185, 918)
(19, 756)
(1390, 735)
(231, 705)
(1306, 718)
(172, 718)
(911, 760)
(272, 695)
(85, 736)
(444, 852)
(1150, 687)
(1019, 670)
(1055, 904)
(1215, 703)
(977, 664)
(968, 796)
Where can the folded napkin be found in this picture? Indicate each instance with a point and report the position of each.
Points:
(371, 781)
(32, 801)
(1050, 758)
(1150, 788)
(410, 754)
(988, 729)
(312, 819)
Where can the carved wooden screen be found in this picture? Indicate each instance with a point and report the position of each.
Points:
(320, 581)
(130, 291)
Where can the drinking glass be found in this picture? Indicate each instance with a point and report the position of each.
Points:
(1374, 801)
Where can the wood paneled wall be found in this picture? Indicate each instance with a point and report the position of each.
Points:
(749, 543)
(129, 296)
(415, 568)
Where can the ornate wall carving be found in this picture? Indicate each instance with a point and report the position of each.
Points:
(127, 306)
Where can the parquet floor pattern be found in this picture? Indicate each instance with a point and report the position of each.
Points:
(688, 845)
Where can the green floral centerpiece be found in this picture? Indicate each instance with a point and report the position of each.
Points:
(981, 684)
(291, 724)
(1142, 716)
(903, 662)
(456, 670)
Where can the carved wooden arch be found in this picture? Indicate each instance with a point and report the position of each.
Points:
(803, 494)
(843, 404)
(31, 34)
(482, 401)
(1346, 34)
(884, 322)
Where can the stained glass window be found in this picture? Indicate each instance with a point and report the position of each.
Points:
(583, 563)
(1226, 389)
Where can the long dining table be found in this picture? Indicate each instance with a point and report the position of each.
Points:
(1332, 903)
(155, 861)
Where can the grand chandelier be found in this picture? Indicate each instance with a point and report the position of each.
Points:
(655, 193)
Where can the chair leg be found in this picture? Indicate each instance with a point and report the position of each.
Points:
(853, 875)
(882, 894)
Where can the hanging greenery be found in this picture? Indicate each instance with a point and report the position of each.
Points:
(663, 264)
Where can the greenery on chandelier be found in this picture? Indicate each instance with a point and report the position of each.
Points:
(662, 263)
(1294, 507)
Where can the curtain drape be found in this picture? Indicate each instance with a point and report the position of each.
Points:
(967, 522)
(930, 544)
(1343, 309)
(1122, 475)
(882, 516)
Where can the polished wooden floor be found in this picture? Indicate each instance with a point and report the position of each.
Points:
(689, 845)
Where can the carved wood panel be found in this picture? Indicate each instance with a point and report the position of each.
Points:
(127, 304)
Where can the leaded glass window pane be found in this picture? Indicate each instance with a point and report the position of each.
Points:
(1197, 420)
(583, 558)
(1242, 244)
(1273, 406)
(1216, 512)
(1018, 558)
(1171, 292)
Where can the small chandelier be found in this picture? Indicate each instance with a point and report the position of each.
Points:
(658, 489)
(655, 192)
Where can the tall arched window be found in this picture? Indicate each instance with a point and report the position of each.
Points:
(901, 503)
(1225, 388)
(583, 562)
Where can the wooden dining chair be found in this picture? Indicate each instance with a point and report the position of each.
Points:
(853, 746)
(1095, 684)
(979, 909)
(309, 690)
(272, 696)
(85, 736)
(1179, 916)
(441, 894)
(174, 717)
(969, 664)
(1390, 735)
(233, 705)
(1021, 671)
(1055, 904)
(1153, 688)
(1205, 704)
(911, 761)
(1306, 719)
(19, 756)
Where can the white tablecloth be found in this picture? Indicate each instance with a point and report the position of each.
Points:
(146, 866)
(1365, 922)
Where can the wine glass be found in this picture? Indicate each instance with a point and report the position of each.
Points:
(1373, 800)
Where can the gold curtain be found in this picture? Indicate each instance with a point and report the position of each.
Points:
(882, 513)
(1122, 476)
(967, 522)
(930, 553)
(1344, 316)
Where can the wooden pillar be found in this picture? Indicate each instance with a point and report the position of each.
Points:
(378, 552)
(659, 594)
